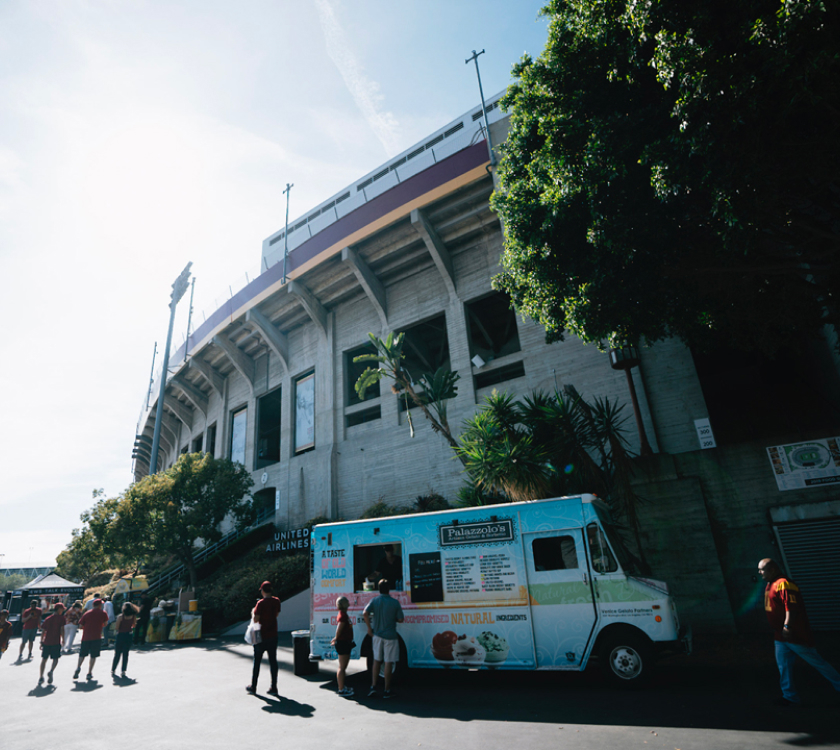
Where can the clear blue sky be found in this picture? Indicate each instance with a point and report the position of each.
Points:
(136, 136)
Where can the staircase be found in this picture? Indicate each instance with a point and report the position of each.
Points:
(206, 552)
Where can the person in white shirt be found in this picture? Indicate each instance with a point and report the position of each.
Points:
(108, 608)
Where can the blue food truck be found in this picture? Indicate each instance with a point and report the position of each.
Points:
(536, 585)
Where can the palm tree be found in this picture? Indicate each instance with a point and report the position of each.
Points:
(549, 445)
(430, 393)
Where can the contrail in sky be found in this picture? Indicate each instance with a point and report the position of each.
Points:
(365, 92)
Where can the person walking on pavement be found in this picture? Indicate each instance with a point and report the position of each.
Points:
(91, 623)
(786, 613)
(5, 631)
(123, 627)
(71, 625)
(108, 608)
(386, 612)
(89, 602)
(31, 619)
(143, 619)
(265, 615)
(52, 637)
(343, 643)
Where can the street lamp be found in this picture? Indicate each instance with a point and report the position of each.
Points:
(626, 358)
(179, 286)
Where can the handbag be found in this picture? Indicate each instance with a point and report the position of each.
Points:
(253, 633)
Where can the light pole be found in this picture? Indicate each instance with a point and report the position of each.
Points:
(179, 286)
(483, 108)
(287, 191)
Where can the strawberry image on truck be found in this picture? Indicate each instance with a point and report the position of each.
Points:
(535, 585)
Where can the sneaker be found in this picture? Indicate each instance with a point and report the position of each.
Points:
(251, 689)
(346, 693)
(113, 673)
(40, 681)
(49, 677)
(372, 692)
(123, 675)
(76, 674)
(273, 691)
(89, 677)
(388, 694)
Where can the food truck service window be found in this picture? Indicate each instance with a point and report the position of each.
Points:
(372, 562)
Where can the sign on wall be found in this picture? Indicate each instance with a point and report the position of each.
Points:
(810, 464)
(294, 540)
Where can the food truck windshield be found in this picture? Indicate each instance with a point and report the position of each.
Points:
(619, 549)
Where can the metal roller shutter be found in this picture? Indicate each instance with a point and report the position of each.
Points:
(811, 552)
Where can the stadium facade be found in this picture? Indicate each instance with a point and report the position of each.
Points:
(267, 379)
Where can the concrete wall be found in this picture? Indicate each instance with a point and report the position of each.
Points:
(706, 524)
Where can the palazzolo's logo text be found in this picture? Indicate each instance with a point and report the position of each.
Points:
(289, 541)
(480, 532)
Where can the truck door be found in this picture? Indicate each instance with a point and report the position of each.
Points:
(562, 607)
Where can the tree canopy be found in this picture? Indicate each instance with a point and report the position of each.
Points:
(91, 548)
(162, 514)
(671, 170)
(170, 511)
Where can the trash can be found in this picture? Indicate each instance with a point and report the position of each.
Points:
(300, 644)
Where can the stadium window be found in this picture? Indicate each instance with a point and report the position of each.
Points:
(197, 442)
(485, 379)
(211, 439)
(352, 372)
(426, 347)
(364, 415)
(491, 323)
(305, 413)
(238, 428)
(268, 429)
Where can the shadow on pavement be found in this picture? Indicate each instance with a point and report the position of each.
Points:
(86, 687)
(41, 691)
(702, 698)
(719, 688)
(123, 681)
(286, 706)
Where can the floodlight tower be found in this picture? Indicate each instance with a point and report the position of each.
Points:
(483, 107)
(179, 286)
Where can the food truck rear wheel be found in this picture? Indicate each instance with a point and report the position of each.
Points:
(626, 659)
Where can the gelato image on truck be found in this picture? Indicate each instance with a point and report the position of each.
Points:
(536, 585)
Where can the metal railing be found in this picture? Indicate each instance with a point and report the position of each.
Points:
(175, 573)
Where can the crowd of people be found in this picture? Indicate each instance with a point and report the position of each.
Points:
(59, 626)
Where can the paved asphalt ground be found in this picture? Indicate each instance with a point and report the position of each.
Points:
(192, 696)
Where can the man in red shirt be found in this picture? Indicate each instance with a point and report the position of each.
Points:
(265, 614)
(91, 624)
(31, 619)
(5, 631)
(52, 638)
(786, 613)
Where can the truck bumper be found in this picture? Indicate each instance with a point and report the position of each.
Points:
(683, 645)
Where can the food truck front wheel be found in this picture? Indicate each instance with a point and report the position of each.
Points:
(626, 658)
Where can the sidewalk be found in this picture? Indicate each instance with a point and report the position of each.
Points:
(747, 651)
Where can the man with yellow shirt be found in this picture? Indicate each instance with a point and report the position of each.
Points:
(786, 613)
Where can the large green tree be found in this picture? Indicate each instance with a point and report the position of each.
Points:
(672, 169)
(170, 511)
(92, 548)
